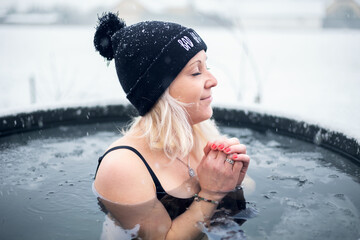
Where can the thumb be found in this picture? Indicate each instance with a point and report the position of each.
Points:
(207, 148)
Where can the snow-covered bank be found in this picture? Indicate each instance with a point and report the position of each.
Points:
(306, 75)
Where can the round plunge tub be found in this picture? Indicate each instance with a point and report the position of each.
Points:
(307, 178)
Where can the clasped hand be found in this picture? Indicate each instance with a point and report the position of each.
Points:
(218, 176)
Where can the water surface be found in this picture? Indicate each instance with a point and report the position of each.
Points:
(302, 191)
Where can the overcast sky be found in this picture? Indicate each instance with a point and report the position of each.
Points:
(245, 7)
(82, 4)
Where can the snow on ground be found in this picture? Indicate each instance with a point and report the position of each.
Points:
(311, 75)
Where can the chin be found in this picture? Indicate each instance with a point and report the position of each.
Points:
(205, 115)
(210, 113)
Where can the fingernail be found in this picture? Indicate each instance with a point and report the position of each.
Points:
(213, 146)
(227, 149)
(221, 146)
(235, 156)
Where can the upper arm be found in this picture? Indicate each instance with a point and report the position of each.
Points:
(130, 196)
(123, 178)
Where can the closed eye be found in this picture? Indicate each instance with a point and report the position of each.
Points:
(196, 74)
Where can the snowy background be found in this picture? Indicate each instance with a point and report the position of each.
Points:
(307, 73)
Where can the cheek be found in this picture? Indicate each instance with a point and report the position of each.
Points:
(191, 96)
(177, 90)
(188, 94)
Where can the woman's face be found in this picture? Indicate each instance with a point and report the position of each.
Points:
(193, 85)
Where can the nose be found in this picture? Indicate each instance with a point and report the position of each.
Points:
(211, 80)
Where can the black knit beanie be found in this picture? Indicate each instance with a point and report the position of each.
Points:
(148, 55)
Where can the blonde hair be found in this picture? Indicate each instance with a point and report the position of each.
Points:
(167, 128)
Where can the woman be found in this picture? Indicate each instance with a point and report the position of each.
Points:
(171, 170)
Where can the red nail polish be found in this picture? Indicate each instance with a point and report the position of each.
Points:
(227, 150)
(235, 156)
(213, 146)
(221, 146)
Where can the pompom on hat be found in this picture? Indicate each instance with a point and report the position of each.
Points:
(148, 55)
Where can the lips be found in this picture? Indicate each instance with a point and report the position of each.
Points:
(206, 98)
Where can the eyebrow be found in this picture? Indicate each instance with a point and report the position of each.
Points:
(195, 62)
(198, 61)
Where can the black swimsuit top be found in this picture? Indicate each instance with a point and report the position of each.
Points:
(160, 192)
(174, 206)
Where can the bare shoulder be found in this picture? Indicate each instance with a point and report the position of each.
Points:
(122, 176)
